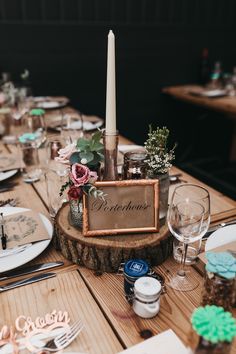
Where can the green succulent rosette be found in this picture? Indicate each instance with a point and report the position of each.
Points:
(214, 324)
(37, 112)
(222, 263)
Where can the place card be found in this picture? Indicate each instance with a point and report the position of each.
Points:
(9, 162)
(164, 343)
(24, 227)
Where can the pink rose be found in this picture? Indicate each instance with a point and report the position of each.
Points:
(75, 193)
(65, 154)
(79, 174)
(93, 177)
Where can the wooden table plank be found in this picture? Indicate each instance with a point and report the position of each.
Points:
(225, 104)
(66, 292)
(175, 307)
(175, 310)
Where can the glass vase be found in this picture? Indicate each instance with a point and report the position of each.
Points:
(76, 213)
(164, 184)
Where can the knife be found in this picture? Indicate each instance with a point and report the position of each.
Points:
(217, 227)
(36, 278)
(31, 269)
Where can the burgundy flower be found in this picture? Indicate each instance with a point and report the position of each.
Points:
(75, 193)
(79, 174)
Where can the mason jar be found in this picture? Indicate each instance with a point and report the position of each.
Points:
(218, 291)
(206, 347)
(146, 301)
(133, 270)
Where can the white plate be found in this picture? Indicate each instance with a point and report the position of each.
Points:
(7, 174)
(221, 237)
(87, 126)
(213, 93)
(16, 260)
(51, 104)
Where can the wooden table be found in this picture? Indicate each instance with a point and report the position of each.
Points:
(225, 105)
(98, 299)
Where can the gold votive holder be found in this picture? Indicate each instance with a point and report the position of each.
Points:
(110, 141)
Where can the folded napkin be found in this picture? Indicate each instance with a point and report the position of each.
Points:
(23, 228)
(164, 343)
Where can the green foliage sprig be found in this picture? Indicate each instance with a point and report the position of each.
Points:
(159, 156)
(90, 151)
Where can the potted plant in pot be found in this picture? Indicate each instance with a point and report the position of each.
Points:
(159, 161)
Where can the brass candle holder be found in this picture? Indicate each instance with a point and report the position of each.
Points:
(110, 141)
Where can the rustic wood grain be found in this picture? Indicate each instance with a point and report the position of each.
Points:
(66, 292)
(106, 253)
(175, 307)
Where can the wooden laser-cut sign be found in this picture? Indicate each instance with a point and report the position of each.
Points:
(129, 206)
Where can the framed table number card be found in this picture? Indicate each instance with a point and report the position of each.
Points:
(129, 206)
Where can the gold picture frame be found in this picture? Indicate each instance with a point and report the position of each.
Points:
(130, 206)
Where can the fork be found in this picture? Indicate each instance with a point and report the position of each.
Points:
(62, 340)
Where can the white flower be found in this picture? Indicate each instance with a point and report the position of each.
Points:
(65, 154)
(83, 161)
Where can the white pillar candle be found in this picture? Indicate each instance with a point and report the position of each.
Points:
(111, 86)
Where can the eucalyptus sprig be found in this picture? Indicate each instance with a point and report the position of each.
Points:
(90, 151)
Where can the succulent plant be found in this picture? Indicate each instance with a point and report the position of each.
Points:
(214, 324)
(222, 263)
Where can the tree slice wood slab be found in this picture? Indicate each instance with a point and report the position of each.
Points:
(106, 253)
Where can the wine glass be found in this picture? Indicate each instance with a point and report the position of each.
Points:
(188, 220)
(71, 127)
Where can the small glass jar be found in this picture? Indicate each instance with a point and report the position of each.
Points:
(135, 166)
(218, 291)
(133, 270)
(146, 301)
(206, 347)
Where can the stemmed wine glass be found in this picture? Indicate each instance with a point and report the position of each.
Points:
(188, 220)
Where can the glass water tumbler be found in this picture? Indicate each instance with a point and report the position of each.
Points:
(135, 166)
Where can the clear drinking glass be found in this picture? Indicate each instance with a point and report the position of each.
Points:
(71, 128)
(54, 182)
(31, 170)
(188, 220)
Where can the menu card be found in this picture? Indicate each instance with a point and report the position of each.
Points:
(9, 162)
(24, 227)
(164, 343)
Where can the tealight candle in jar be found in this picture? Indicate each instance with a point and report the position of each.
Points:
(146, 301)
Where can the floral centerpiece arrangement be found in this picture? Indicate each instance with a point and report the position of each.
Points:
(83, 159)
(159, 160)
(159, 156)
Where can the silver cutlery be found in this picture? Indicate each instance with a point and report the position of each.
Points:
(62, 340)
(218, 226)
(30, 269)
(16, 284)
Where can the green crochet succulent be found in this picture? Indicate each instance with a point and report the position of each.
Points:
(222, 263)
(37, 112)
(214, 324)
